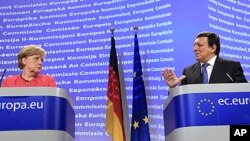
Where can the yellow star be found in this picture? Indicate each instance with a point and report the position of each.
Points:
(146, 119)
(134, 74)
(136, 124)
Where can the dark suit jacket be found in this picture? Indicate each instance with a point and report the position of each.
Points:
(221, 68)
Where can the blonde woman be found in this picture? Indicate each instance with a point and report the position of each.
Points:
(30, 61)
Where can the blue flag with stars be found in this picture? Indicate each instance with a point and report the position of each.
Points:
(140, 121)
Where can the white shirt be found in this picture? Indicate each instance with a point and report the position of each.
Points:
(210, 66)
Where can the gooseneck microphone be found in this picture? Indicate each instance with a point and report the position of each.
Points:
(229, 77)
(2, 77)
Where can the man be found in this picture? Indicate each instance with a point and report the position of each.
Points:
(207, 49)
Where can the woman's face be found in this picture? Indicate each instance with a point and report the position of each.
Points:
(33, 63)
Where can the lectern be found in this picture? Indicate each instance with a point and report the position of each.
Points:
(36, 114)
(204, 112)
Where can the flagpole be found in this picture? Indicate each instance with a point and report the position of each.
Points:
(112, 30)
(136, 29)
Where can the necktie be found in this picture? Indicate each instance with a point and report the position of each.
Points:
(204, 73)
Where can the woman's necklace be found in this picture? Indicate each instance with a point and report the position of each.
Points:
(25, 80)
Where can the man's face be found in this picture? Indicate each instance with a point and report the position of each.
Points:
(203, 52)
(33, 63)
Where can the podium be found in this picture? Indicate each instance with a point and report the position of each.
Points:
(36, 114)
(204, 112)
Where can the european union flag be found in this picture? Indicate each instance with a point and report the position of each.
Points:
(140, 121)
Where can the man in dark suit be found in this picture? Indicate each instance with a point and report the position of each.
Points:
(218, 70)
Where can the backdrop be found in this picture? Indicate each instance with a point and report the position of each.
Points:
(76, 36)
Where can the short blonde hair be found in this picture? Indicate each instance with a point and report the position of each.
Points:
(29, 50)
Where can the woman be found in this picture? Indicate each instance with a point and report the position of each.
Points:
(30, 60)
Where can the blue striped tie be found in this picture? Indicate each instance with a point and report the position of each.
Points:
(204, 73)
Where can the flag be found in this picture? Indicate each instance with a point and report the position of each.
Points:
(140, 120)
(114, 114)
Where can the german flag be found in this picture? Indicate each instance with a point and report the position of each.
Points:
(114, 113)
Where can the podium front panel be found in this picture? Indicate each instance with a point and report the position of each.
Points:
(39, 111)
(208, 109)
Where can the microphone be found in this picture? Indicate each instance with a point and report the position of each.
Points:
(229, 77)
(2, 77)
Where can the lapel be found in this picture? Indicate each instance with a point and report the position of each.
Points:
(197, 73)
(217, 69)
